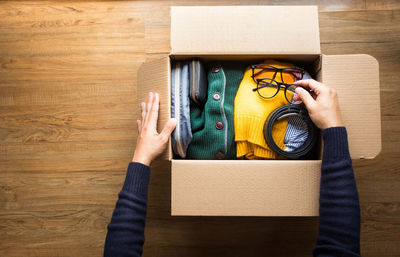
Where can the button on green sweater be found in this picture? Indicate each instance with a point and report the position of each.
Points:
(212, 124)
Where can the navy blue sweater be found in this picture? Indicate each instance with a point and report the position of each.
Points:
(339, 220)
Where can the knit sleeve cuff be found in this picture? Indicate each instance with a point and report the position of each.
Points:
(137, 178)
(335, 143)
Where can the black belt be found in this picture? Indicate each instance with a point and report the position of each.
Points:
(284, 112)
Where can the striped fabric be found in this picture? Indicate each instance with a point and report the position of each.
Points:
(296, 133)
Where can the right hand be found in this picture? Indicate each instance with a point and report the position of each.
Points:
(323, 107)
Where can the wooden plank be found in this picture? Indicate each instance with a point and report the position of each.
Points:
(360, 26)
(382, 5)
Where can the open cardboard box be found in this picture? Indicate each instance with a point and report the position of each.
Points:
(289, 33)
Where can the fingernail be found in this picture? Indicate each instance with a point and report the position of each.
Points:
(298, 90)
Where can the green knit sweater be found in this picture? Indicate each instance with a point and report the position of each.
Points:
(212, 124)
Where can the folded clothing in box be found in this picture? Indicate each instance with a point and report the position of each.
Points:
(182, 135)
(212, 123)
(225, 107)
(252, 110)
(198, 86)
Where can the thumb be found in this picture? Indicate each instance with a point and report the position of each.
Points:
(168, 128)
(307, 99)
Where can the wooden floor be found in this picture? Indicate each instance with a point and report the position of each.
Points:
(67, 131)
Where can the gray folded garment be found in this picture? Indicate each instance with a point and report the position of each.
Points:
(198, 85)
(180, 108)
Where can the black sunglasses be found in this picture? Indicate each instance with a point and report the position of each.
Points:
(258, 69)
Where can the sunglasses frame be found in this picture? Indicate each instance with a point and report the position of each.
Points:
(276, 70)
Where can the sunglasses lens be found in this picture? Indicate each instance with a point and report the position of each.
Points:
(267, 88)
(296, 73)
(263, 72)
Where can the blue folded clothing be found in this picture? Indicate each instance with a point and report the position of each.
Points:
(180, 108)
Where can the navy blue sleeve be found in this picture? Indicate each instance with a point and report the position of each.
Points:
(339, 211)
(125, 236)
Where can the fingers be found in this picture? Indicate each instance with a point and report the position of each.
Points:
(139, 125)
(148, 108)
(296, 99)
(153, 115)
(143, 110)
(307, 99)
(311, 84)
(168, 128)
(150, 102)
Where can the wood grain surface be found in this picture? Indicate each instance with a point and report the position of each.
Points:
(67, 131)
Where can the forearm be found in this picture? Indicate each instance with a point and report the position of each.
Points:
(339, 228)
(125, 235)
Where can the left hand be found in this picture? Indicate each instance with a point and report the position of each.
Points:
(150, 143)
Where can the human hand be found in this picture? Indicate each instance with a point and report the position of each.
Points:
(322, 105)
(150, 143)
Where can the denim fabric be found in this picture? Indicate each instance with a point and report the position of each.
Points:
(180, 108)
(296, 131)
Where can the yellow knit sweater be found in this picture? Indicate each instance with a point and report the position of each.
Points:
(251, 111)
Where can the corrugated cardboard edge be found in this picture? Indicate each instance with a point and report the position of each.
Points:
(245, 188)
(356, 79)
(155, 76)
(225, 30)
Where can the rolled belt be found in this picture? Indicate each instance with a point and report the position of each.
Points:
(284, 112)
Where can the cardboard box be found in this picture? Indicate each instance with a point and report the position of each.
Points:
(289, 33)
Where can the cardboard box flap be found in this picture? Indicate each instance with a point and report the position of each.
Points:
(356, 79)
(154, 76)
(245, 30)
(245, 188)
